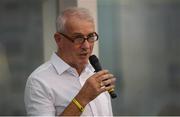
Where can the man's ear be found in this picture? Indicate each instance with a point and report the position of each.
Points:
(57, 37)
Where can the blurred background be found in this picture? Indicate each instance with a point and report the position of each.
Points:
(139, 43)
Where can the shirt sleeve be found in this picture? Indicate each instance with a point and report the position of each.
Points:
(37, 98)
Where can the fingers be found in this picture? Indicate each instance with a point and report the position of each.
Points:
(108, 84)
(107, 76)
(109, 88)
(102, 72)
(99, 75)
(109, 81)
(106, 80)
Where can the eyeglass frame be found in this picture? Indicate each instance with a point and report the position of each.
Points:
(85, 38)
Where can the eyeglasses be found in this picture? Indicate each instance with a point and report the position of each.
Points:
(80, 39)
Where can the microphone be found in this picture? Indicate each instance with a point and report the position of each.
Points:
(97, 66)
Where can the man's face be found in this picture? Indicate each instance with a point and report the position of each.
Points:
(76, 54)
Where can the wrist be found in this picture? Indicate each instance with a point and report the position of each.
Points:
(78, 105)
(82, 100)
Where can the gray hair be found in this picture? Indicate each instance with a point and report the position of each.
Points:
(81, 13)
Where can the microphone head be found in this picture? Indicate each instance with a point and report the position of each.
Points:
(93, 59)
(95, 63)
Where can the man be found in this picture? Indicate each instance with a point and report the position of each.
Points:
(67, 84)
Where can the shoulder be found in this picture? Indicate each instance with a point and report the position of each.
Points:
(42, 74)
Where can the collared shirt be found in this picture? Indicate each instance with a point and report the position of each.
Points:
(52, 86)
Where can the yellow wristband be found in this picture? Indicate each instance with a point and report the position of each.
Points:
(78, 105)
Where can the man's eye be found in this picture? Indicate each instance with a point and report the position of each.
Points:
(91, 38)
(79, 38)
(91, 35)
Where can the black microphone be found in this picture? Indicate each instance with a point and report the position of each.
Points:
(97, 66)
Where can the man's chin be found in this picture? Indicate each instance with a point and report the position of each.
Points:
(84, 62)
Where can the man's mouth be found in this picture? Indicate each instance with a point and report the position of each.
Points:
(84, 54)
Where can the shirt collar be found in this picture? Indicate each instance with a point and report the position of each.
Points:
(61, 66)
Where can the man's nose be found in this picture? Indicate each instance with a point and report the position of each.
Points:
(85, 44)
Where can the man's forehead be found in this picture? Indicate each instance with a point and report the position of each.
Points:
(79, 26)
(75, 19)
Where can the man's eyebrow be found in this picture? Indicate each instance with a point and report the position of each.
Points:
(75, 34)
(80, 34)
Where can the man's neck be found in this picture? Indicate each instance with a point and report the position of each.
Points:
(79, 68)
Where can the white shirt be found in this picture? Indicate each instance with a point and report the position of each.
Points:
(52, 86)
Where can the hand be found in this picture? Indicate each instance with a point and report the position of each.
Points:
(95, 85)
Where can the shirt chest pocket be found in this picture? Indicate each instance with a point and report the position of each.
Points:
(61, 102)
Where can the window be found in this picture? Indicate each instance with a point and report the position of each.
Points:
(21, 50)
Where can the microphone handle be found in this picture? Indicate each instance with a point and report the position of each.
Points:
(112, 93)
